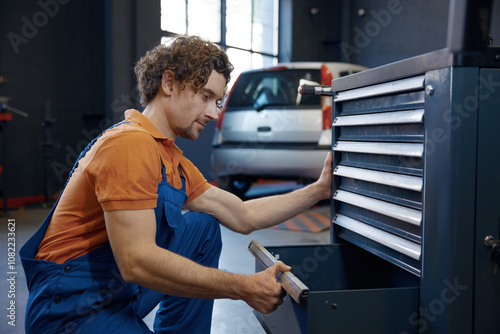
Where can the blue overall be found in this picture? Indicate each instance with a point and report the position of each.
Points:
(89, 295)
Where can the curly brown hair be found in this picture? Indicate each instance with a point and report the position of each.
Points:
(191, 59)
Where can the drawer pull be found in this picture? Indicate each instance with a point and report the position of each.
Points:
(393, 87)
(402, 149)
(399, 244)
(289, 281)
(400, 212)
(391, 179)
(393, 117)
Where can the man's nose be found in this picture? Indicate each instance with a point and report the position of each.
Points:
(212, 112)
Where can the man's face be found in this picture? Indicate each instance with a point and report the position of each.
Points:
(194, 110)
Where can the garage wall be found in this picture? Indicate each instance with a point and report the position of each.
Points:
(50, 52)
(77, 57)
(367, 32)
(379, 32)
(316, 28)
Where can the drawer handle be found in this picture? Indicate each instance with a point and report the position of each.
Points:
(264, 129)
(289, 281)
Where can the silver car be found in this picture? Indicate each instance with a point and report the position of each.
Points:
(268, 130)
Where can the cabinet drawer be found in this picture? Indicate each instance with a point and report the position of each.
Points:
(350, 291)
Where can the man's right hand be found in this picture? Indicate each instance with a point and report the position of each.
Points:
(264, 293)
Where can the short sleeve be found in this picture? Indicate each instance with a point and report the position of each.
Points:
(125, 171)
(196, 182)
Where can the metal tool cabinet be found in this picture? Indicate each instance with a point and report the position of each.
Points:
(416, 191)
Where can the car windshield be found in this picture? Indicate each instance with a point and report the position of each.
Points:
(273, 88)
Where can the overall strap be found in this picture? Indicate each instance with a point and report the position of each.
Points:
(164, 175)
(84, 152)
(29, 250)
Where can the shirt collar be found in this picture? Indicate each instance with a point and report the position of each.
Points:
(137, 117)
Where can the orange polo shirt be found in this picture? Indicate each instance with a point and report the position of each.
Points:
(120, 172)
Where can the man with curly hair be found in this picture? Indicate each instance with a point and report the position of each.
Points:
(117, 242)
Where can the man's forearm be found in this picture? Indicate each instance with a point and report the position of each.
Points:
(169, 273)
(245, 217)
(269, 211)
(172, 274)
(272, 210)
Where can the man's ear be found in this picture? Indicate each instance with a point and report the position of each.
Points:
(167, 82)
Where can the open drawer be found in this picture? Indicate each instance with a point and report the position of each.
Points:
(349, 291)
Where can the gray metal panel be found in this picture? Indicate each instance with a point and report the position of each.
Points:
(287, 319)
(486, 283)
(362, 311)
(449, 201)
(417, 65)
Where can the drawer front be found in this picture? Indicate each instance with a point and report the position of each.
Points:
(363, 311)
(351, 291)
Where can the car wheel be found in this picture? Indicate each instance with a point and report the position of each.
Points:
(236, 184)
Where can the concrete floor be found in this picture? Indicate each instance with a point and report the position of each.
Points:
(229, 316)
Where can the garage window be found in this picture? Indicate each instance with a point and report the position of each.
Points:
(246, 29)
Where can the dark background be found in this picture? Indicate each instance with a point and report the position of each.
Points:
(76, 58)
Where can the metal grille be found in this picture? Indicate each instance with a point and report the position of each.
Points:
(378, 168)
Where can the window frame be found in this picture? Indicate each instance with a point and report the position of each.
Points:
(223, 31)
